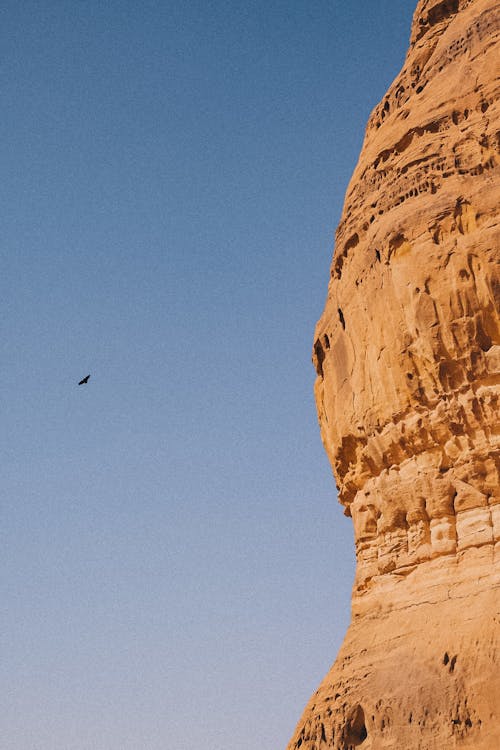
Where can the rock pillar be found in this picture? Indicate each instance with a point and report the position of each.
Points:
(407, 354)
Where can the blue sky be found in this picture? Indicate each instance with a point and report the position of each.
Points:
(176, 570)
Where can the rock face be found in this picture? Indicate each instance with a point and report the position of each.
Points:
(407, 354)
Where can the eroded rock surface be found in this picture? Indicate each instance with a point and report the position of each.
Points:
(407, 353)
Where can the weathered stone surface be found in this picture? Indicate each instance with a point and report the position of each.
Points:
(407, 353)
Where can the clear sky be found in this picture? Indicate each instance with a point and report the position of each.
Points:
(176, 570)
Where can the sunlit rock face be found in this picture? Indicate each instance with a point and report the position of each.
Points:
(407, 354)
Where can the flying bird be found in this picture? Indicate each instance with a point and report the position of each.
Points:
(84, 380)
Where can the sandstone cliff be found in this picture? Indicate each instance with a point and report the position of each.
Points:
(407, 354)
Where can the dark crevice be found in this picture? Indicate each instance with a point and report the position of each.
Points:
(356, 732)
(319, 357)
(441, 11)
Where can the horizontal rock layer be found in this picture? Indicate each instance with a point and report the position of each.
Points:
(407, 354)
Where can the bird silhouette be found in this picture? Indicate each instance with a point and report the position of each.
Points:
(84, 380)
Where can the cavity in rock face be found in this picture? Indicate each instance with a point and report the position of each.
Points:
(407, 353)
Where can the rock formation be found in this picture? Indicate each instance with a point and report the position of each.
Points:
(407, 354)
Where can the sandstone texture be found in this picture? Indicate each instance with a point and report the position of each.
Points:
(407, 354)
